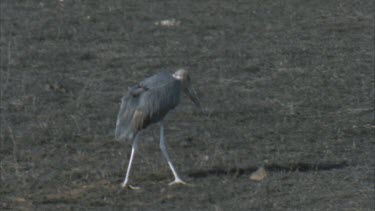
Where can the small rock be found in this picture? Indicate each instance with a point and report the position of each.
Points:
(258, 175)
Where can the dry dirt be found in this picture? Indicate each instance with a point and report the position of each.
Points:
(287, 85)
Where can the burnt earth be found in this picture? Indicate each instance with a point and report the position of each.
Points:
(287, 85)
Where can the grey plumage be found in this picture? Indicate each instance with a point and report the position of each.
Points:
(146, 103)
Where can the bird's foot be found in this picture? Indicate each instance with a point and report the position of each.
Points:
(125, 185)
(178, 181)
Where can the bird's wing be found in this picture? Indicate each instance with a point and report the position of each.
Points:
(124, 128)
(159, 99)
(146, 103)
(131, 116)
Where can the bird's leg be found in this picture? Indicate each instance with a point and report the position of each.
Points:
(177, 179)
(134, 148)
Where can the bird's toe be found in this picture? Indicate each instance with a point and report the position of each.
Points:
(131, 187)
(178, 182)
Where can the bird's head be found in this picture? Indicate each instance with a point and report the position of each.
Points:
(183, 76)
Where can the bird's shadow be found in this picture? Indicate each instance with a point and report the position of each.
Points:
(273, 167)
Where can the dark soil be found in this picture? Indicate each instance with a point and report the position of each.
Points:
(288, 85)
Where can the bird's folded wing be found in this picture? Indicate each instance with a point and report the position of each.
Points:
(137, 90)
(124, 128)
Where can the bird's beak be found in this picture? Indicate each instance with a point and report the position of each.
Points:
(190, 92)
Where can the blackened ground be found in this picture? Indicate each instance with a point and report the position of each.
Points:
(288, 85)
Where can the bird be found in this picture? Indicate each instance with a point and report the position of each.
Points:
(148, 102)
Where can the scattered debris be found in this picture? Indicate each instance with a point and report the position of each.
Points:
(17, 104)
(258, 175)
(20, 103)
(57, 87)
(168, 22)
(22, 203)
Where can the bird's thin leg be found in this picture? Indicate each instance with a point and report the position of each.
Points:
(177, 179)
(134, 148)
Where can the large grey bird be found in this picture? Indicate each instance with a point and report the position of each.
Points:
(148, 102)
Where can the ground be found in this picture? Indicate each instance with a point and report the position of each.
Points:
(287, 85)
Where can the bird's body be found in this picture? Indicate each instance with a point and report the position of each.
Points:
(148, 102)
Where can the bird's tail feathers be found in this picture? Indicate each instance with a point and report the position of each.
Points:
(124, 128)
